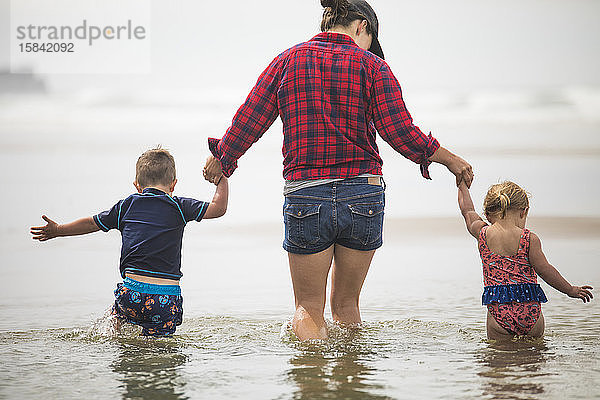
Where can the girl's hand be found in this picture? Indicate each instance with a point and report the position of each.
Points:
(459, 167)
(462, 170)
(581, 292)
(43, 233)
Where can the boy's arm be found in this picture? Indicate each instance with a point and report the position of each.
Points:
(52, 229)
(550, 274)
(218, 205)
(472, 219)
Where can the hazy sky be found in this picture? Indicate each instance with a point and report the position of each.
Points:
(430, 44)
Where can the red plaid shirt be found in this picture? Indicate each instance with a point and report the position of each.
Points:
(333, 98)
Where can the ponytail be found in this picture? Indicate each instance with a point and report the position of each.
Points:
(503, 197)
(504, 203)
(337, 12)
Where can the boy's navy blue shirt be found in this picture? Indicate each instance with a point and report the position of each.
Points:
(151, 225)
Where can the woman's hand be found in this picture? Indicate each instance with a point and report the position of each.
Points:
(212, 170)
(462, 170)
(459, 167)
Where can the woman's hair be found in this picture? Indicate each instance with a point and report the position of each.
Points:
(504, 196)
(155, 167)
(337, 12)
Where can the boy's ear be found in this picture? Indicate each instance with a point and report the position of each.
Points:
(172, 187)
(138, 187)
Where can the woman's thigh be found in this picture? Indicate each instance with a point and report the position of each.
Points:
(349, 272)
(309, 277)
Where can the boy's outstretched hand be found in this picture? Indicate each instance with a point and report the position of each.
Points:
(52, 229)
(581, 292)
(43, 233)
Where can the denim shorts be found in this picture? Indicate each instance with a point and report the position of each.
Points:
(348, 212)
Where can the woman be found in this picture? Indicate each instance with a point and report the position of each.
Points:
(333, 93)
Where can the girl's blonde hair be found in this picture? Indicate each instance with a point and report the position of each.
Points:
(504, 196)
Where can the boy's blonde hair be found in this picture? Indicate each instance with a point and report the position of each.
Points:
(504, 196)
(155, 167)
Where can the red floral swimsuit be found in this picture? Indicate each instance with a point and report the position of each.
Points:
(511, 291)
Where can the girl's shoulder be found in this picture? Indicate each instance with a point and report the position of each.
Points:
(533, 239)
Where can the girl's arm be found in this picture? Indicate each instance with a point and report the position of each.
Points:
(472, 219)
(218, 205)
(551, 275)
(52, 229)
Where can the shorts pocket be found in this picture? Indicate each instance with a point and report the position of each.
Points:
(367, 222)
(302, 224)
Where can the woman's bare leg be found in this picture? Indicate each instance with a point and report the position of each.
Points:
(349, 272)
(309, 278)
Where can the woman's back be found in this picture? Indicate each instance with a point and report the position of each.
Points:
(332, 97)
(324, 101)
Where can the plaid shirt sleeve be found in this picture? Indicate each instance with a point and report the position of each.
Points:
(252, 119)
(394, 123)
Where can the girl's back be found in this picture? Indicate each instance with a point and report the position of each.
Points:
(507, 262)
(502, 240)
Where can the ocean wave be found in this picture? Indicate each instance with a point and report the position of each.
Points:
(567, 104)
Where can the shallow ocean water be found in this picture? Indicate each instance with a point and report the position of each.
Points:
(423, 334)
(225, 357)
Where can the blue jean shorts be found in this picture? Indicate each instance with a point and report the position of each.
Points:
(348, 212)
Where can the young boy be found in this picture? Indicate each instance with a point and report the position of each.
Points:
(151, 222)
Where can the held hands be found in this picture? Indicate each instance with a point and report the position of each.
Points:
(581, 292)
(462, 170)
(459, 167)
(43, 233)
(212, 170)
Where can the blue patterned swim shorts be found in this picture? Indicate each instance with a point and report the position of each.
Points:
(158, 309)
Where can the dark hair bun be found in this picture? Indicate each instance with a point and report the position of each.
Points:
(335, 4)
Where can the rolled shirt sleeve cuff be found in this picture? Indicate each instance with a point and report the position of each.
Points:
(432, 147)
(226, 167)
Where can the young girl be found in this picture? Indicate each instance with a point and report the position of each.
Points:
(511, 257)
